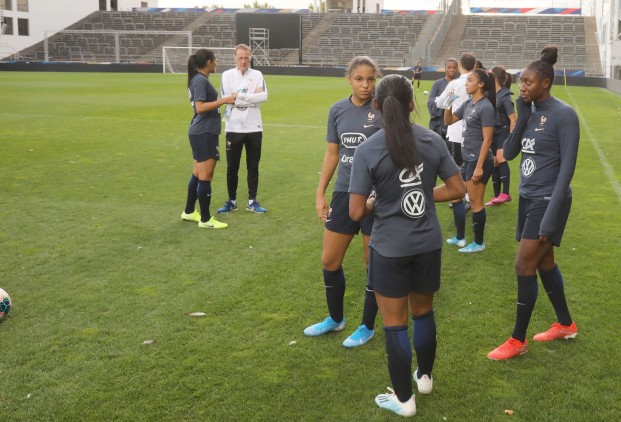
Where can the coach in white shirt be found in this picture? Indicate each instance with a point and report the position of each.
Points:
(243, 127)
(453, 96)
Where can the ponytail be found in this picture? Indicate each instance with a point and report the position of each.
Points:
(502, 76)
(394, 96)
(198, 61)
(489, 85)
(192, 68)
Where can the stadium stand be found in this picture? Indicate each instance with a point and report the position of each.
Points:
(329, 39)
(512, 41)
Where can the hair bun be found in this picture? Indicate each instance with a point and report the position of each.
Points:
(549, 54)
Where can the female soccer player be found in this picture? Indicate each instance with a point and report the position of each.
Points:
(478, 116)
(203, 133)
(503, 125)
(401, 164)
(350, 122)
(418, 74)
(548, 137)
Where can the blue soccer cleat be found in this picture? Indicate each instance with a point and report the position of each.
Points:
(472, 248)
(359, 337)
(325, 326)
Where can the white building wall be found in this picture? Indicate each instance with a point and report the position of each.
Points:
(46, 15)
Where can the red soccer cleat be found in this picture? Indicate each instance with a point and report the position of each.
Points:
(509, 349)
(558, 331)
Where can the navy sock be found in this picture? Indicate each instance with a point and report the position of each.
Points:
(399, 353)
(552, 281)
(526, 298)
(190, 204)
(335, 291)
(505, 176)
(496, 181)
(459, 216)
(478, 225)
(204, 199)
(369, 312)
(424, 339)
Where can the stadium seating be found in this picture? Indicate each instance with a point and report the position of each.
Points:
(512, 41)
(328, 39)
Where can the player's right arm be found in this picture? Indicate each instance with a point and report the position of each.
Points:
(330, 162)
(450, 117)
(204, 107)
(513, 144)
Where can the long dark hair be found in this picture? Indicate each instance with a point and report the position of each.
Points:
(197, 61)
(489, 85)
(502, 76)
(545, 65)
(394, 97)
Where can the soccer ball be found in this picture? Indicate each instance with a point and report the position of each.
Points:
(425, 92)
(5, 304)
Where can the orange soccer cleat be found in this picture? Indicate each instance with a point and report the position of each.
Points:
(509, 349)
(558, 331)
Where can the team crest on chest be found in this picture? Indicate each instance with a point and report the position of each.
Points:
(542, 123)
(369, 122)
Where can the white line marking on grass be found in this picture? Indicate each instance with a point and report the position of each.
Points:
(602, 157)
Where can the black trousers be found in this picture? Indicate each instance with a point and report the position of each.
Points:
(454, 148)
(235, 143)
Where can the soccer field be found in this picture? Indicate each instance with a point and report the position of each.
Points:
(93, 177)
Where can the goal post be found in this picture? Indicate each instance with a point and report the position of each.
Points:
(175, 59)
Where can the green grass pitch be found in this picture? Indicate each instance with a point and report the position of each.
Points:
(93, 176)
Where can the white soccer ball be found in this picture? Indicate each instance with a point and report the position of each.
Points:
(5, 304)
(425, 92)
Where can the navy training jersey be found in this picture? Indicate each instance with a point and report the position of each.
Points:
(201, 89)
(504, 108)
(405, 221)
(436, 115)
(349, 125)
(475, 116)
(549, 150)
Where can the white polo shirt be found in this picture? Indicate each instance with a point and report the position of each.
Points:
(244, 116)
(455, 131)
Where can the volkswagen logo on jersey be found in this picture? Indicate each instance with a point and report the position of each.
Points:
(528, 167)
(352, 140)
(413, 203)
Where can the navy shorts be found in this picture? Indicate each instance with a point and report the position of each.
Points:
(338, 220)
(397, 277)
(205, 146)
(467, 170)
(530, 215)
(499, 139)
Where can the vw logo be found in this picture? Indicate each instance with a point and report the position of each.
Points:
(528, 167)
(413, 203)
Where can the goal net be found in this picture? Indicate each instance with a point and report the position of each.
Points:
(175, 59)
